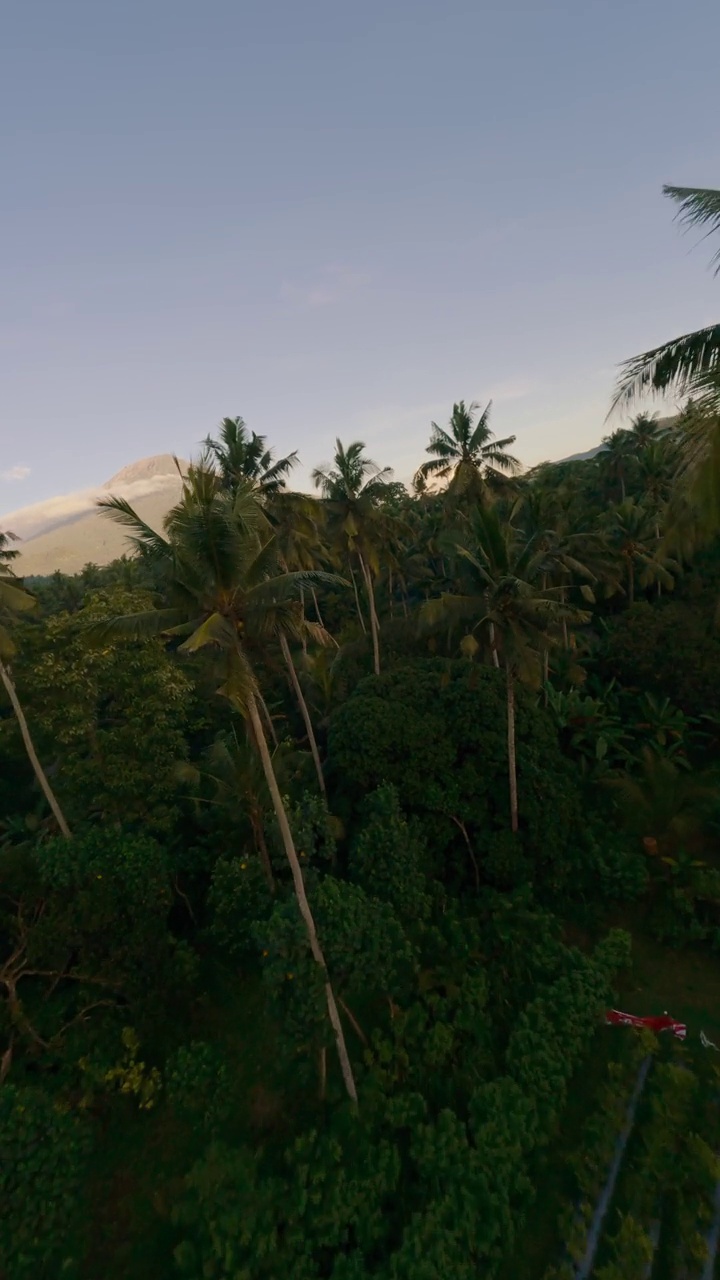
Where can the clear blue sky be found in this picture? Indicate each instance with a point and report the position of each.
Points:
(335, 218)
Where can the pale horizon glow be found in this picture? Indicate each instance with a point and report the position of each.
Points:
(337, 220)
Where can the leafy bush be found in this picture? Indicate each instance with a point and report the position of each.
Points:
(197, 1084)
(84, 930)
(431, 1179)
(43, 1155)
(610, 869)
(239, 898)
(114, 713)
(388, 857)
(672, 650)
(436, 731)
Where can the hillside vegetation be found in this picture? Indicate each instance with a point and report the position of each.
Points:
(330, 829)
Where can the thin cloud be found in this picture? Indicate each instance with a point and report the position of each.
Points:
(41, 517)
(15, 473)
(334, 285)
(517, 389)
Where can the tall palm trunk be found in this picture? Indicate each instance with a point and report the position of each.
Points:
(303, 903)
(512, 763)
(374, 624)
(404, 595)
(493, 645)
(302, 615)
(303, 709)
(631, 582)
(32, 754)
(357, 600)
(657, 539)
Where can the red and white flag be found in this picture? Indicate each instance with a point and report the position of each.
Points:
(615, 1018)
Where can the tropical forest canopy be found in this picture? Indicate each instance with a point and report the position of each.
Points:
(330, 827)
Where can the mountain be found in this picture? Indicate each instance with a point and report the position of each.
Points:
(583, 457)
(663, 425)
(68, 532)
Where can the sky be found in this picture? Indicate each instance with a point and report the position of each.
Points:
(336, 219)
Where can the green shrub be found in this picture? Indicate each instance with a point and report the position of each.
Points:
(43, 1155)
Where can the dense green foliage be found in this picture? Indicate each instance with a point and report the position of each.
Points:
(329, 827)
(435, 730)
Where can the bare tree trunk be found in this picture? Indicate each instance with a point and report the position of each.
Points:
(374, 624)
(493, 646)
(473, 859)
(303, 709)
(390, 591)
(317, 607)
(512, 763)
(302, 615)
(32, 754)
(323, 1072)
(403, 595)
(657, 538)
(566, 642)
(301, 895)
(353, 1021)
(631, 582)
(357, 600)
(268, 720)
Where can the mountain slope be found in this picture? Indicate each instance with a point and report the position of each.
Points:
(69, 532)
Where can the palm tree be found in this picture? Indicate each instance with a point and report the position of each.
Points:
(688, 366)
(467, 453)
(234, 769)
(14, 600)
(615, 458)
(501, 569)
(631, 529)
(665, 805)
(643, 431)
(226, 594)
(297, 521)
(8, 553)
(351, 487)
(239, 455)
(574, 555)
(656, 466)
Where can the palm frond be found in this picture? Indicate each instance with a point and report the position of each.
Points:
(14, 598)
(481, 432)
(674, 366)
(496, 453)
(142, 537)
(440, 467)
(699, 206)
(273, 477)
(285, 588)
(442, 443)
(319, 635)
(481, 569)
(216, 630)
(132, 626)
